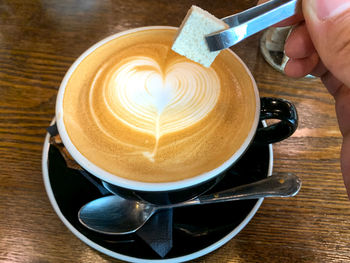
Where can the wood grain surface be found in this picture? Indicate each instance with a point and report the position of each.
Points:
(39, 40)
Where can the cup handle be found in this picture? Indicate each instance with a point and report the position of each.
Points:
(278, 109)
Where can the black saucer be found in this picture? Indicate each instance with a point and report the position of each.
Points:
(197, 230)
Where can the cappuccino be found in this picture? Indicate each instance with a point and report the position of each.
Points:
(140, 111)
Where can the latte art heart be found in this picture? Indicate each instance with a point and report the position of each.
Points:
(156, 101)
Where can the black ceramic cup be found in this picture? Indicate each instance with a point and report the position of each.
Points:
(177, 191)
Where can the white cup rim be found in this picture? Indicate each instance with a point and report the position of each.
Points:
(136, 185)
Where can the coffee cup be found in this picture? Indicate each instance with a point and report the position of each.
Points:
(157, 127)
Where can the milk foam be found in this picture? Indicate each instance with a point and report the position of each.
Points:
(149, 99)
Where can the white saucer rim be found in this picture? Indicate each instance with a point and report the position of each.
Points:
(116, 255)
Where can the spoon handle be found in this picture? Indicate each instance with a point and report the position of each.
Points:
(281, 185)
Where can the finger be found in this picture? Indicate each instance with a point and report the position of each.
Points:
(319, 70)
(298, 68)
(345, 164)
(299, 43)
(330, 33)
(342, 107)
(331, 82)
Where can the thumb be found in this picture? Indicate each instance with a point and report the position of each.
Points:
(328, 22)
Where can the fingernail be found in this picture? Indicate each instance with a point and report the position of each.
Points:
(330, 8)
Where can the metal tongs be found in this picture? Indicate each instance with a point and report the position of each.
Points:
(251, 21)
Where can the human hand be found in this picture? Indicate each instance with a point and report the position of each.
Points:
(320, 45)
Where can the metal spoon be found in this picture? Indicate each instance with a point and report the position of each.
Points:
(118, 216)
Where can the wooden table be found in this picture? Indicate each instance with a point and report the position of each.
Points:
(38, 42)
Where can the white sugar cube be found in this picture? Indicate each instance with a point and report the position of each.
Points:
(190, 39)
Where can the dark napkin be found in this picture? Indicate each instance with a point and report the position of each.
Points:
(52, 130)
(157, 231)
